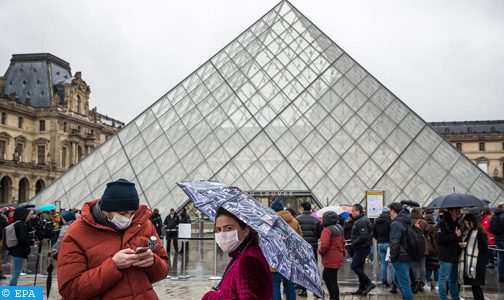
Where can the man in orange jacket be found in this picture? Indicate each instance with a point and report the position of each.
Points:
(99, 257)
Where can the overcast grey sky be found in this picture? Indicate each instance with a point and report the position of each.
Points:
(444, 59)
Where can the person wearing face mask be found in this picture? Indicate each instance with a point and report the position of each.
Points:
(247, 276)
(97, 257)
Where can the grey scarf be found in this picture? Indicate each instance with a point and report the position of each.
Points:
(101, 219)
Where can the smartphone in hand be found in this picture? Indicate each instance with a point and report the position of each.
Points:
(141, 250)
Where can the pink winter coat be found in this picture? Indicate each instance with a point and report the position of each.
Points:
(247, 276)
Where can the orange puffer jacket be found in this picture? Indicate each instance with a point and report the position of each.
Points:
(85, 266)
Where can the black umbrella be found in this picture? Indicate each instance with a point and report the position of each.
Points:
(486, 202)
(49, 278)
(455, 200)
(410, 203)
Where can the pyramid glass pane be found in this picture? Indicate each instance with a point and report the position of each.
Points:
(281, 107)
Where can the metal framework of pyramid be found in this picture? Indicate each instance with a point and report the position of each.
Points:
(281, 107)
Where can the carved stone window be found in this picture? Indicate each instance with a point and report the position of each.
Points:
(3, 118)
(481, 146)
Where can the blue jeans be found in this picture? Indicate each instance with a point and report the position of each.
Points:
(402, 279)
(17, 266)
(448, 274)
(289, 286)
(500, 245)
(382, 253)
(428, 275)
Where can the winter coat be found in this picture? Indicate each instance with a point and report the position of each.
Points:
(247, 276)
(184, 218)
(449, 250)
(362, 233)
(431, 256)
(311, 227)
(398, 232)
(332, 247)
(157, 221)
(3, 224)
(171, 223)
(22, 249)
(479, 280)
(497, 225)
(85, 266)
(381, 228)
(485, 222)
(348, 229)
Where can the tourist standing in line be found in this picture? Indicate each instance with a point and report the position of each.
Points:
(171, 223)
(362, 235)
(381, 232)
(485, 222)
(448, 236)
(157, 221)
(431, 259)
(20, 252)
(311, 228)
(472, 263)
(332, 251)
(497, 228)
(419, 265)
(184, 219)
(401, 261)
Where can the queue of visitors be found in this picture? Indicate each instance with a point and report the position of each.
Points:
(418, 249)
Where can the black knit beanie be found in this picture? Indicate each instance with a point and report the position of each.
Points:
(120, 195)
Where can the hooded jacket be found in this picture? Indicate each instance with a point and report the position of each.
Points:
(381, 228)
(332, 244)
(311, 227)
(398, 245)
(85, 266)
(362, 233)
(22, 249)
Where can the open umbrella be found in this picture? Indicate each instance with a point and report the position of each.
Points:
(49, 278)
(455, 200)
(343, 211)
(283, 248)
(47, 207)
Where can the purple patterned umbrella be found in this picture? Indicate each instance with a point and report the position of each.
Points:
(284, 249)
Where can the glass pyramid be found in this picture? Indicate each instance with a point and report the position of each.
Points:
(281, 107)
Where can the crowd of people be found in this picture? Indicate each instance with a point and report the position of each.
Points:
(417, 248)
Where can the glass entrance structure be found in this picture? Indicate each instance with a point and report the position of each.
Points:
(280, 108)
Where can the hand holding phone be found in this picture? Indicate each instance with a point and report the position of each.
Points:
(140, 250)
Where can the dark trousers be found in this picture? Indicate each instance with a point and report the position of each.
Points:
(331, 280)
(358, 261)
(477, 292)
(171, 236)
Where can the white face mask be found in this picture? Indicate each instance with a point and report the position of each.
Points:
(228, 241)
(121, 222)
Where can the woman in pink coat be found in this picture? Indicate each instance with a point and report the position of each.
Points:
(247, 275)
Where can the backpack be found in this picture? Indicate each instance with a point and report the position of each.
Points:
(9, 235)
(415, 243)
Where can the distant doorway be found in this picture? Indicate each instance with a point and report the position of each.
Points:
(290, 199)
(24, 190)
(39, 186)
(5, 189)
